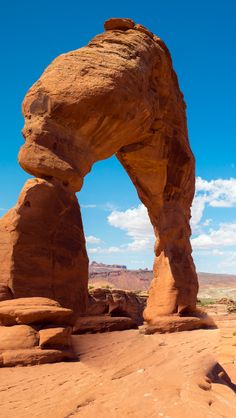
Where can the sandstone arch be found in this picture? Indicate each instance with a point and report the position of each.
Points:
(118, 95)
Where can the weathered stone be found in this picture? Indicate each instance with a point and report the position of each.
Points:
(18, 337)
(34, 356)
(175, 323)
(120, 96)
(55, 338)
(142, 28)
(42, 249)
(33, 311)
(116, 303)
(117, 23)
(102, 323)
(5, 292)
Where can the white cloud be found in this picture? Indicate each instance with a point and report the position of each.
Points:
(136, 223)
(105, 250)
(215, 193)
(224, 236)
(93, 240)
(88, 206)
(217, 242)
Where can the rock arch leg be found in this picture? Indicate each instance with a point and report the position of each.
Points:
(166, 188)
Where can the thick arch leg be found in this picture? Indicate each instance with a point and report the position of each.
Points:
(42, 246)
(165, 184)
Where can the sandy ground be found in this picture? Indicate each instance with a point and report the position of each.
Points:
(127, 374)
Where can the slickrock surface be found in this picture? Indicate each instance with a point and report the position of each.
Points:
(119, 95)
(42, 246)
(124, 374)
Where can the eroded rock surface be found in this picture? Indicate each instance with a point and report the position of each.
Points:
(117, 95)
(102, 323)
(31, 336)
(42, 249)
(116, 303)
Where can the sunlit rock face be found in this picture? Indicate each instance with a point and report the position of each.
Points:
(43, 247)
(117, 95)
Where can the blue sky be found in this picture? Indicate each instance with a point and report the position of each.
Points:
(201, 37)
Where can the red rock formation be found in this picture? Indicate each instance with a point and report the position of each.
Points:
(28, 334)
(118, 95)
(42, 245)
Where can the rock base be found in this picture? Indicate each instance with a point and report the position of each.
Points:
(34, 331)
(102, 323)
(34, 356)
(175, 323)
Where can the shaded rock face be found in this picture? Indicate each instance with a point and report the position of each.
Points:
(42, 246)
(116, 303)
(118, 95)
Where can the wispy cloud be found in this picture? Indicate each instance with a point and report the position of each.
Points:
(88, 206)
(136, 223)
(93, 240)
(219, 193)
(224, 236)
(105, 250)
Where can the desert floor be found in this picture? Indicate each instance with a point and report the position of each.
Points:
(128, 374)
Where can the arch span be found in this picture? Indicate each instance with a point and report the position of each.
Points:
(118, 95)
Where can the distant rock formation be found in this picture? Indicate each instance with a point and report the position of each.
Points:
(120, 96)
(111, 310)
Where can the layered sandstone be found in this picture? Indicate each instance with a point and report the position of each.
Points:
(43, 247)
(28, 334)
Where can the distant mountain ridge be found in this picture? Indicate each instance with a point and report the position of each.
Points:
(211, 285)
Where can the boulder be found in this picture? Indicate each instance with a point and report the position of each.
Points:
(34, 356)
(119, 24)
(34, 310)
(55, 338)
(18, 337)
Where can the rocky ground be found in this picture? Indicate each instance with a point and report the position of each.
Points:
(127, 374)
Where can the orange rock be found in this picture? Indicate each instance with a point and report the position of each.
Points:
(33, 311)
(102, 323)
(42, 250)
(121, 24)
(120, 96)
(55, 338)
(18, 337)
(117, 303)
(174, 323)
(11, 358)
